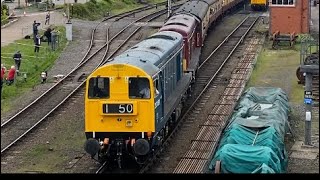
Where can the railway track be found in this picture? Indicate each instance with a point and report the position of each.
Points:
(28, 118)
(202, 148)
(207, 80)
(315, 90)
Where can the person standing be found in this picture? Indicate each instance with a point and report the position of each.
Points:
(35, 28)
(47, 18)
(11, 75)
(3, 72)
(54, 39)
(47, 34)
(17, 59)
(37, 43)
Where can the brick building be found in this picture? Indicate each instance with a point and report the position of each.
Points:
(289, 16)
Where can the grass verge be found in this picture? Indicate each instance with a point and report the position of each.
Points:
(31, 64)
(277, 68)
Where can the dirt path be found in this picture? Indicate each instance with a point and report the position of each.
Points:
(23, 26)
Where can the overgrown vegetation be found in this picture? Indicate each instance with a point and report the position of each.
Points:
(95, 9)
(269, 71)
(31, 64)
(4, 14)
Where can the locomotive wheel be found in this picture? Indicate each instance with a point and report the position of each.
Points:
(166, 130)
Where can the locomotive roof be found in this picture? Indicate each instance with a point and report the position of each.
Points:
(151, 53)
(180, 22)
(196, 8)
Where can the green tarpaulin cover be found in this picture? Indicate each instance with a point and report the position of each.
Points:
(253, 141)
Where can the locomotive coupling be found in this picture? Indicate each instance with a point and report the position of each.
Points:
(92, 146)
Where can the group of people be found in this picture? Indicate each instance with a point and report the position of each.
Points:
(13, 70)
(50, 34)
(10, 77)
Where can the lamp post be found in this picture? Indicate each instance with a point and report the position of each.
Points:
(68, 12)
(169, 8)
(69, 25)
(72, 10)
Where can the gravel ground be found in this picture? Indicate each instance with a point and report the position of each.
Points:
(23, 26)
(70, 57)
(277, 68)
(57, 145)
(179, 145)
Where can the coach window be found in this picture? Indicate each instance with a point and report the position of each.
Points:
(99, 87)
(139, 88)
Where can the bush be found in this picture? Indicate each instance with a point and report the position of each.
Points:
(4, 14)
(93, 1)
(94, 9)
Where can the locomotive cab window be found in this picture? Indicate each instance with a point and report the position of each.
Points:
(99, 87)
(139, 88)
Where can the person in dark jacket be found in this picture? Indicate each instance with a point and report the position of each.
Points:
(47, 34)
(37, 43)
(17, 59)
(35, 28)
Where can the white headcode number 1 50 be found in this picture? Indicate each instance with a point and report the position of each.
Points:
(125, 108)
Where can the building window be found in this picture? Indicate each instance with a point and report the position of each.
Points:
(282, 2)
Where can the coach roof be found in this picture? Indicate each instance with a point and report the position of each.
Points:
(196, 8)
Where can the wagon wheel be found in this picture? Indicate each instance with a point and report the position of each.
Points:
(217, 167)
(300, 76)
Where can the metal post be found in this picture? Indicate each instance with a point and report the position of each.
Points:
(309, 13)
(72, 10)
(308, 93)
(68, 13)
(169, 8)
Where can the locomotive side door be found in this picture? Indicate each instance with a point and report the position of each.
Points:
(159, 106)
